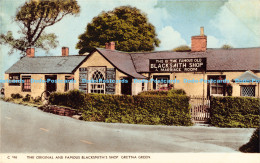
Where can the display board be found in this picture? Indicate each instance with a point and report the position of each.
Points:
(111, 87)
(178, 65)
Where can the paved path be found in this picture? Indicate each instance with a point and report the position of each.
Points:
(29, 130)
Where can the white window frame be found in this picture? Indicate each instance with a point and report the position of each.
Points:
(96, 87)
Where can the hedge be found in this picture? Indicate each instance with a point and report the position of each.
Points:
(171, 92)
(253, 145)
(235, 112)
(151, 110)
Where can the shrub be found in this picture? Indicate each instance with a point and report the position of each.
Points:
(170, 92)
(73, 98)
(182, 48)
(156, 93)
(16, 96)
(27, 97)
(8, 99)
(37, 99)
(235, 112)
(138, 109)
(176, 91)
(253, 145)
(226, 46)
(172, 110)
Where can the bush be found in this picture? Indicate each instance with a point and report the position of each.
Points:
(73, 98)
(253, 145)
(156, 93)
(171, 92)
(176, 91)
(182, 48)
(235, 111)
(37, 99)
(16, 96)
(150, 110)
(27, 97)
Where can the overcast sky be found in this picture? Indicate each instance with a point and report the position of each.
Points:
(233, 22)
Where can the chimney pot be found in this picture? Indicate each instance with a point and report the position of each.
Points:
(30, 52)
(65, 51)
(111, 45)
(202, 31)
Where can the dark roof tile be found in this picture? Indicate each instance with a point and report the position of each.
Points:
(47, 65)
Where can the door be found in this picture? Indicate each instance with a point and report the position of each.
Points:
(51, 84)
(126, 88)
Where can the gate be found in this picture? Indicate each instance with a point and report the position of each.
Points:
(200, 109)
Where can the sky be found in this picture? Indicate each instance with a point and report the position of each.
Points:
(233, 22)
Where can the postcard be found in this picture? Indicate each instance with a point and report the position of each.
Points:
(130, 80)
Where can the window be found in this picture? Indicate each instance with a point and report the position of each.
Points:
(98, 86)
(216, 85)
(247, 90)
(143, 86)
(14, 80)
(69, 80)
(160, 81)
(26, 86)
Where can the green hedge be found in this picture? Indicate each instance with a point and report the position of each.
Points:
(74, 99)
(253, 145)
(149, 110)
(171, 92)
(235, 112)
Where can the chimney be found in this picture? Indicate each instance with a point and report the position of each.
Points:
(110, 45)
(30, 52)
(65, 51)
(199, 43)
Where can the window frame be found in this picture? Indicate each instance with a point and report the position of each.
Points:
(253, 86)
(11, 79)
(216, 85)
(155, 78)
(24, 79)
(98, 87)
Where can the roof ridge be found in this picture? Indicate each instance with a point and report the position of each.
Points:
(58, 56)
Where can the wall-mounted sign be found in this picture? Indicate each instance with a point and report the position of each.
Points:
(111, 75)
(178, 65)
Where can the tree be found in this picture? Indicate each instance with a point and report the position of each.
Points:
(226, 46)
(127, 26)
(182, 48)
(33, 18)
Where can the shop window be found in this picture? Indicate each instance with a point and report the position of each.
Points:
(26, 86)
(98, 86)
(160, 81)
(14, 79)
(247, 90)
(216, 86)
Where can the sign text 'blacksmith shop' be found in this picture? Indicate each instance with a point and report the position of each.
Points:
(178, 65)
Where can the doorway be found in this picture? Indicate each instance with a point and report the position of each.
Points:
(126, 88)
(51, 84)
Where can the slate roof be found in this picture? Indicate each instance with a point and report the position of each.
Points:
(122, 61)
(248, 75)
(217, 59)
(47, 65)
(134, 63)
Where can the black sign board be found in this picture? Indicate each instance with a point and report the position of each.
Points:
(110, 87)
(178, 65)
(83, 75)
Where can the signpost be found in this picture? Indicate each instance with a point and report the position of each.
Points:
(178, 65)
